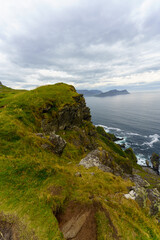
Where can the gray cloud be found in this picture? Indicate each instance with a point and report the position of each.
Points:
(94, 44)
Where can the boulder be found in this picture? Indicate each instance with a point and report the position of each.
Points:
(103, 160)
(57, 143)
(93, 159)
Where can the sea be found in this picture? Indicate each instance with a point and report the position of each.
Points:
(134, 117)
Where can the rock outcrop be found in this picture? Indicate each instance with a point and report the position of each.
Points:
(142, 193)
(103, 160)
(57, 143)
(93, 159)
(67, 117)
(155, 162)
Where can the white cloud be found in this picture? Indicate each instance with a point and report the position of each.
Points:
(88, 44)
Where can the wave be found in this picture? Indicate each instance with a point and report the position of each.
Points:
(133, 134)
(123, 141)
(141, 159)
(107, 129)
(116, 129)
(154, 139)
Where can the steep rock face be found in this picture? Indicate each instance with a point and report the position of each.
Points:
(67, 117)
(155, 162)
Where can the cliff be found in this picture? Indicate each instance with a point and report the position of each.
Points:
(63, 178)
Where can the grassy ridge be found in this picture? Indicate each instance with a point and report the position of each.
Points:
(35, 184)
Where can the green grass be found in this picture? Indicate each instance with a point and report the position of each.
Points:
(28, 172)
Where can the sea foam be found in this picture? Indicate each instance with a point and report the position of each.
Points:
(154, 139)
(107, 129)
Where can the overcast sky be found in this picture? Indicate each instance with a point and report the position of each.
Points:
(92, 44)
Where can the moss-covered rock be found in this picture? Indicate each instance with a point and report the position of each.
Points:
(155, 162)
(129, 152)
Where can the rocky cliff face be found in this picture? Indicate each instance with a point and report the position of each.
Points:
(68, 174)
(66, 117)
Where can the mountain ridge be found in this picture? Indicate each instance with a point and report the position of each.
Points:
(98, 93)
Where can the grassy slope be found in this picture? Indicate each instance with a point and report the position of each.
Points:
(28, 173)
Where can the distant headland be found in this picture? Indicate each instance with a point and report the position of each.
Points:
(98, 93)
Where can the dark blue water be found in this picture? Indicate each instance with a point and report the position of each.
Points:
(135, 117)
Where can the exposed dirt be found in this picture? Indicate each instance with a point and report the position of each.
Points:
(78, 222)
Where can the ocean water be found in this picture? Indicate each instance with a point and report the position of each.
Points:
(134, 117)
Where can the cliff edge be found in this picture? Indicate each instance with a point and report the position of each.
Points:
(63, 178)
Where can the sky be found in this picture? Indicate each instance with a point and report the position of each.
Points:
(91, 44)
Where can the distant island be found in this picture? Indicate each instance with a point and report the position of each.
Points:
(89, 92)
(98, 93)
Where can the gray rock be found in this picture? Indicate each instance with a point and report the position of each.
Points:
(94, 158)
(138, 194)
(139, 182)
(57, 143)
(154, 197)
(103, 160)
(149, 170)
(141, 195)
